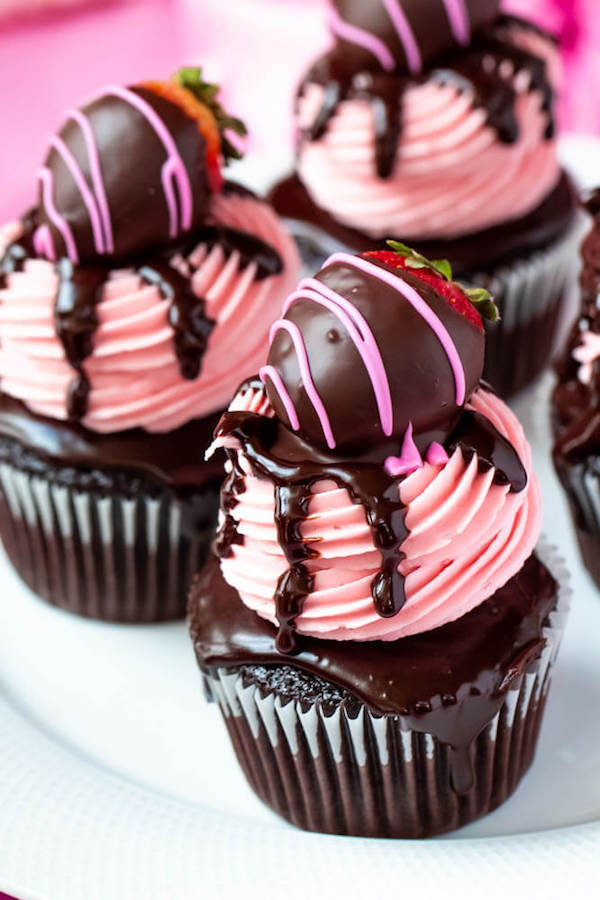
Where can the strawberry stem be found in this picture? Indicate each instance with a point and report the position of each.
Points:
(206, 93)
(480, 298)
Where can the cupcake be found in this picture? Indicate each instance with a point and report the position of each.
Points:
(133, 299)
(434, 121)
(576, 406)
(375, 622)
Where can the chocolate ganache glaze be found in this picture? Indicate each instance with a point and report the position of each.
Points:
(392, 320)
(99, 208)
(172, 460)
(423, 678)
(348, 75)
(495, 246)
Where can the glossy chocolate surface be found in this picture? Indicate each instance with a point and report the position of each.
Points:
(449, 682)
(174, 459)
(294, 466)
(80, 289)
(132, 159)
(434, 31)
(419, 373)
(470, 254)
(344, 75)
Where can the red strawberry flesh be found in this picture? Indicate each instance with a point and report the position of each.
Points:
(452, 292)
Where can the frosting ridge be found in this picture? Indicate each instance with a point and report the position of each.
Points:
(463, 530)
(134, 375)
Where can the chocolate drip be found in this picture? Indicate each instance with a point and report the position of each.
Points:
(382, 91)
(385, 96)
(232, 487)
(535, 66)
(449, 682)
(251, 249)
(75, 320)
(293, 473)
(13, 259)
(186, 315)
(492, 93)
(467, 69)
(80, 289)
(294, 585)
(475, 434)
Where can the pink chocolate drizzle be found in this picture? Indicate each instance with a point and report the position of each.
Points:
(174, 176)
(362, 336)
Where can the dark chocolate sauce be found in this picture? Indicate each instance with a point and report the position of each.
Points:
(15, 255)
(482, 251)
(382, 91)
(80, 289)
(475, 69)
(232, 487)
(576, 406)
(449, 682)
(251, 249)
(75, 321)
(293, 474)
(294, 586)
(187, 317)
(172, 460)
(475, 434)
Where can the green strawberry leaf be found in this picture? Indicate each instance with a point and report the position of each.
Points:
(416, 260)
(484, 304)
(190, 77)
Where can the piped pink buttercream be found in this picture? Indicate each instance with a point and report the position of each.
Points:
(453, 174)
(467, 537)
(133, 370)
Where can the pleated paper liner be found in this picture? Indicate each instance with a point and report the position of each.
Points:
(106, 555)
(581, 482)
(536, 296)
(368, 775)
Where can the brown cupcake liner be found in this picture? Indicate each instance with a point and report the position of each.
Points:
(375, 776)
(105, 555)
(581, 482)
(537, 298)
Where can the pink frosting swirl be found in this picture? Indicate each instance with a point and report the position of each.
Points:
(133, 370)
(453, 174)
(468, 537)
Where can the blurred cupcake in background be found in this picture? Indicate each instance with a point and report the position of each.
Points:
(133, 299)
(576, 406)
(380, 625)
(434, 122)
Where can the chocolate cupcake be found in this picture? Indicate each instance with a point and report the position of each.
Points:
(576, 406)
(433, 121)
(133, 298)
(376, 624)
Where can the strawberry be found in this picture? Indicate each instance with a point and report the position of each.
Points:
(198, 99)
(473, 304)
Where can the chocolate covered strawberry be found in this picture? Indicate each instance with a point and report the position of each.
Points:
(473, 303)
(98, 187)
(374, 346)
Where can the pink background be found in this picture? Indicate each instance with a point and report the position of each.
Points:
(256, 48)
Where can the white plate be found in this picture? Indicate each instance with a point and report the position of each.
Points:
(118, 781)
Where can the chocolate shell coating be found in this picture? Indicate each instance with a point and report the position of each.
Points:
(411, 30)
(135, 160)
(420, 376)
